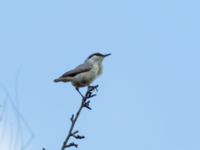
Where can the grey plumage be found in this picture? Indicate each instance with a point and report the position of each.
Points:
(84, 74)
(79, 69)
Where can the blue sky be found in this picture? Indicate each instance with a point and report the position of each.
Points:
(148, 96)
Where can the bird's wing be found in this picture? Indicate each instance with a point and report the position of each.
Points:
(79, 69)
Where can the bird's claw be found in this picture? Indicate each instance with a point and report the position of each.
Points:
(92, 88)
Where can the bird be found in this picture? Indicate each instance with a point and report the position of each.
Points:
(84, 74)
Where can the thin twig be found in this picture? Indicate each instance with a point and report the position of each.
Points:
(84, 104)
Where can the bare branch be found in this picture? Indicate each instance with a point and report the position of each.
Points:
(84, 104)
(78, 137)
(71, 145)
(72, 118)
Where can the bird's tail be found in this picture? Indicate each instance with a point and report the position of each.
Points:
(57, 80)
(63, 79)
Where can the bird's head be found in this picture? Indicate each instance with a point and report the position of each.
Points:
(97, 57)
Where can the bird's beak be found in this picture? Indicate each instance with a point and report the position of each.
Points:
(106, 55)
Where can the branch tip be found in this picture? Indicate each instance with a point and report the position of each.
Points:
(87, 105)
(71, 145)
(79, 137)
(72, 118)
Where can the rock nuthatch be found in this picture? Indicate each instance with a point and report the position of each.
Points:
(84, 74)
